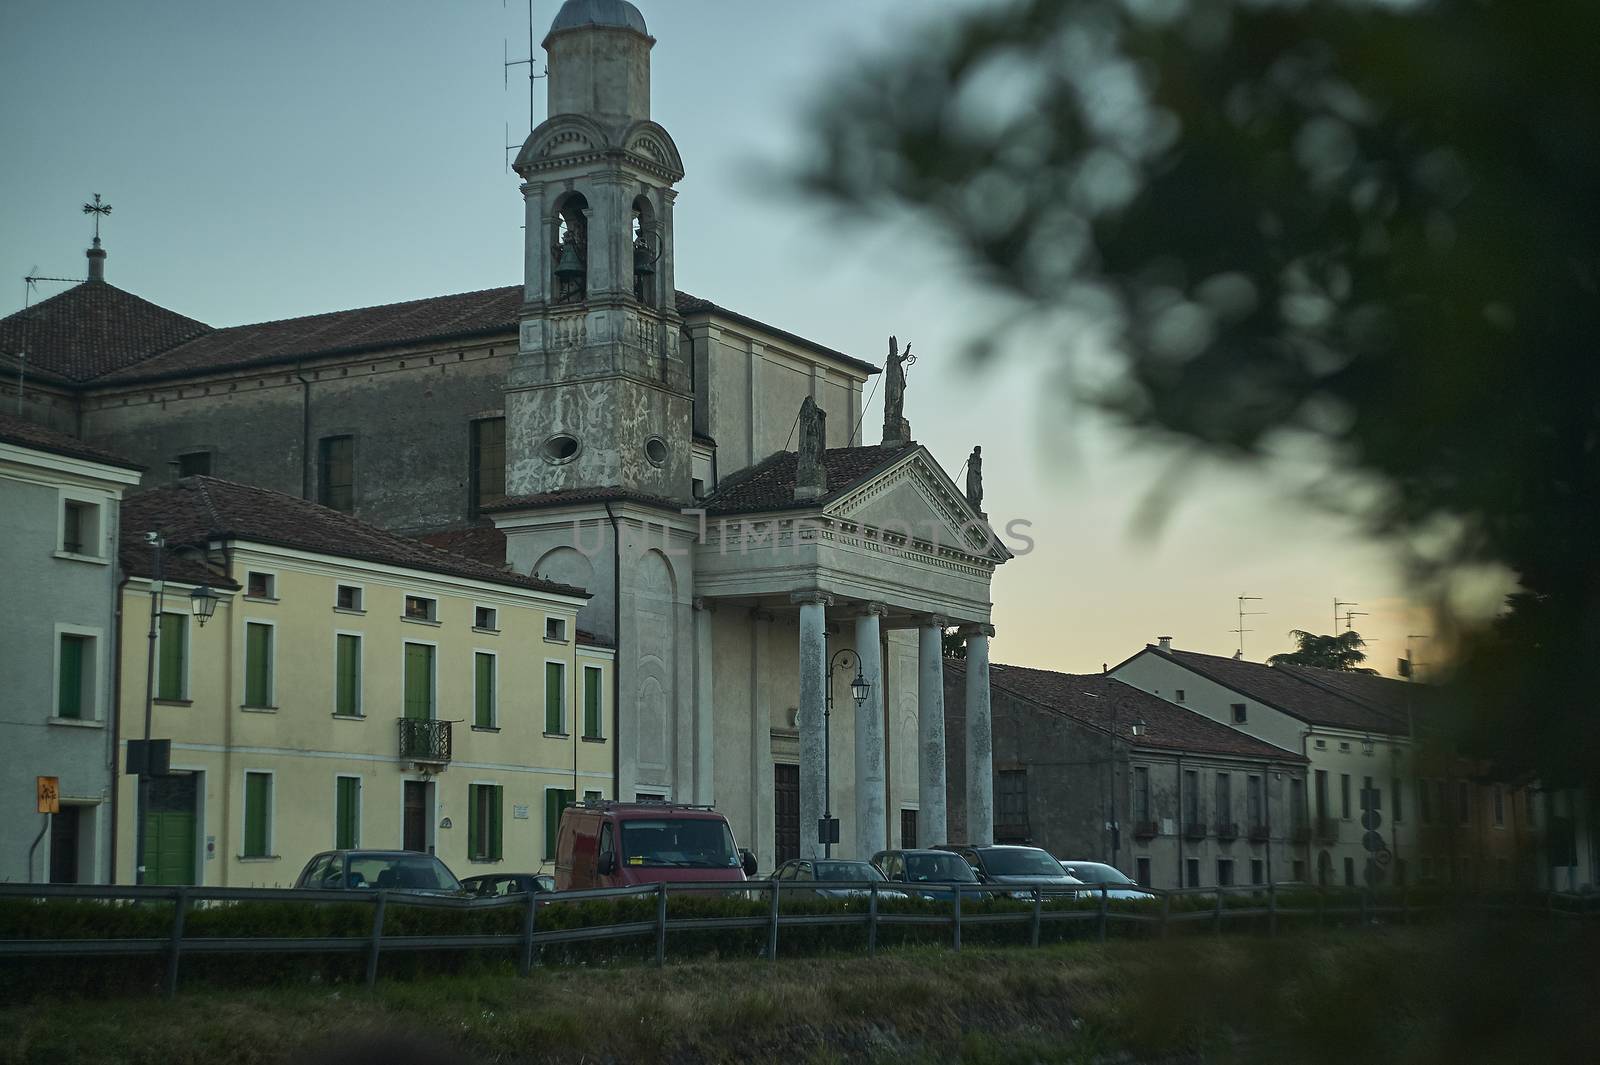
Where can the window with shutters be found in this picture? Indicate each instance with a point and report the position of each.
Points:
(1224, 810)
(1011, 804)
(347, 812)
(258, 665)
(1141, 794)
(483, 690)
(1344, 796)
(257, 815)
(419, 675)
(488, 462)
(172, 654)
(75, 677)
(592, 702)
(1397, 809)
(347, 675)
(555, 800)
(336, 473)
(483, 822)
(555, 698)
(1191, 797)
(1252, 801)
(80, 528)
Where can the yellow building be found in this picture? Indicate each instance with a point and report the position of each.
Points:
(353, 688)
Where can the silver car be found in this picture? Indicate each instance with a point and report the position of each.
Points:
(1119, 885)
(800, 872)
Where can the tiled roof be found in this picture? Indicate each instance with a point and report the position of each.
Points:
(609, 494)
(1110, 705)
(1283, 689)
(91, 330)
(1396, 698)
(688, 305)
(98, 332)
(14, 430)
(467, 314)
(481, 543)
(769, 484)
(196, 510)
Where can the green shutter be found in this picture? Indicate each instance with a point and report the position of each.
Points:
(257, 803)
(69, 702)
(483, 714)
(474, 792)
(170, 684)
(591, 702)
(347, 818)
(553, 696)
(495, 797)
(258, 665)
(347, 676)
(555, 800)
(419, 681)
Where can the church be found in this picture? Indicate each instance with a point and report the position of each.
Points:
(777, 590)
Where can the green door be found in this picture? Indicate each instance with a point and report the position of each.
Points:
(419, 681)
(169, 831)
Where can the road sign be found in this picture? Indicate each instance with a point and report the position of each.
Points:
(1373, 842)
(827, 830)
(1383, 858)
(149, 758)
(1371, 820)
(49, 795)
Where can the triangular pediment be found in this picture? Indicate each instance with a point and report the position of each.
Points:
(915, 497)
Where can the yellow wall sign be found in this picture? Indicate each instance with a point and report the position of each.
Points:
(49, 795)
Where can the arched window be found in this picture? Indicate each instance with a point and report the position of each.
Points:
(570, 250)
(646, 251)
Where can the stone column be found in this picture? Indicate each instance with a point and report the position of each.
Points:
(813, 692)
(932, 815)
(871, 828)
(980, 739)
(704, 704)
(762, 826)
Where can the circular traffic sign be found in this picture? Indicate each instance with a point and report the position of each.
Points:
(1383, 858)
(1372, 841)
(1371, 820)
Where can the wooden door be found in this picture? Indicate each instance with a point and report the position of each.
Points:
(786, 812)
(169, 830)
(416, 816)
(908, 829)
(64, 845)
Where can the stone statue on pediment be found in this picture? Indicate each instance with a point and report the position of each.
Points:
(975, 480)
(896, 428)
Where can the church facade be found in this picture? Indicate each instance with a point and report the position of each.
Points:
(702, 475)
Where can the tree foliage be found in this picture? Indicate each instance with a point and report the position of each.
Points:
(1360, 230)
(1342, 651)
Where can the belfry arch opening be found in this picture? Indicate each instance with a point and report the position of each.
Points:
(569, 250)
(646, 251)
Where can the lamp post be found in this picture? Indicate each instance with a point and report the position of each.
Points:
(1114, 825)
(860, 689)
(202, 604)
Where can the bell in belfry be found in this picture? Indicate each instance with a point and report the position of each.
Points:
(569, 267)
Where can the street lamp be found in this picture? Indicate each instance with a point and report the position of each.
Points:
(860, 689)
(1367, 744)
(203, 603)
(1138, 728)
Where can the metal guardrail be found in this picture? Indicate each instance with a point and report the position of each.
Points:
(1155, 907)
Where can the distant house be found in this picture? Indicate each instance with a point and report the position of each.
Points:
(355, 688)
(1371, 742)
(1093, 769)
(59, 507)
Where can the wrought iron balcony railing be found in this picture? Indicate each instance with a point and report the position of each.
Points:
(1194, 830)
(1146, 830)
(424, 740)
(1227, 830)
(1260, 833)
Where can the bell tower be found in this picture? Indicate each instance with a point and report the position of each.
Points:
(599, 395)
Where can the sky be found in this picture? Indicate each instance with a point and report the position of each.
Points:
(273, 160)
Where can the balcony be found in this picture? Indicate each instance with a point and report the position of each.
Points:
(425, 741)
(1194, 830)
(1227, 830)
(1146, 830)
(1260, 833)
(1327, 829)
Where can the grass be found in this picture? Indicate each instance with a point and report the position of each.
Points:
(1516, 994)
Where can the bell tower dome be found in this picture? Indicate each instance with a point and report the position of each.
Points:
(599, 396)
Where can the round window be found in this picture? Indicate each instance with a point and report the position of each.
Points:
(655, 449)
(561, 448)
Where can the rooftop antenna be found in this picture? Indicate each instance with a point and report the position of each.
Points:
(1243, 613)
(30, 284)
(1337, 603)
(1350, 616)
(534, 75)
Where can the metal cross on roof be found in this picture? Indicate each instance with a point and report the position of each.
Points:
(99, 210)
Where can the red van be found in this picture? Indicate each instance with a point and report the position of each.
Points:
(619, 844)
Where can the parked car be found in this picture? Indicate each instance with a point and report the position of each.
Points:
(800, 871)
(489, 884)
(620, 844)
(921, 869)
(412, 871)
(1012, 864)
(1119, 885)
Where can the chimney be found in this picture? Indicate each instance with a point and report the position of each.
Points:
(1165, 642)
(97, 261)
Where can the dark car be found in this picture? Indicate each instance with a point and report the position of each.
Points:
(1010, 864)
(924, 867)
(490, 884)
(412, 871)
(1119, 885)
(801, 872)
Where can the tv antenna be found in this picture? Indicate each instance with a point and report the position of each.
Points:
(1349, 618)
(534, 76)
(1243, 613)
(1337, 604)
